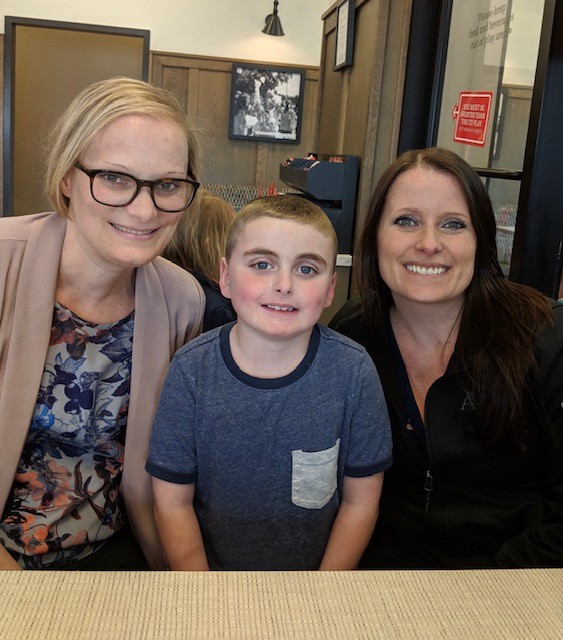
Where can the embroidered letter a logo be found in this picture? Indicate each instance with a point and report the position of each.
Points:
(468, 404)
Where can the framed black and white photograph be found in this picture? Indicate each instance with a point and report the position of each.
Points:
(266, 103)
(345, 22)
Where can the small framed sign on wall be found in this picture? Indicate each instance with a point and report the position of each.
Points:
(345, 21)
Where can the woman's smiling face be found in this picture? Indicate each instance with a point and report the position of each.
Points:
(130, 236)
(426, 240)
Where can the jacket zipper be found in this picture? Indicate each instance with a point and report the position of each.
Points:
(428, 487)
(429, 480)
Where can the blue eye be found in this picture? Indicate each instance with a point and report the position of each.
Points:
(405, 221)
(114, 179)
(262, 266)
(167, 186)
(454, 224)
(306, 270)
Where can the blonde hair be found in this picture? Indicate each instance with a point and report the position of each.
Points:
(282, 207)
(199, 240)
(92, 110)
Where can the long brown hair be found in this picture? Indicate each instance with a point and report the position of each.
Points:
(499, 318)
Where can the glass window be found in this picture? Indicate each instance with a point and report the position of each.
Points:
(486, 96)
(489, 75)
(504, 195)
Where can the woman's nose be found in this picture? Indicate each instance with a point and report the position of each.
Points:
(428, 240)
(143, 206)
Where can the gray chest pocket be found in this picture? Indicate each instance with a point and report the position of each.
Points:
(313, 479)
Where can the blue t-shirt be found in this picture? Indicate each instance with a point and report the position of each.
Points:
(268, 456)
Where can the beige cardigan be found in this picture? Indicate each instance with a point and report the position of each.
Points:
(169, 308)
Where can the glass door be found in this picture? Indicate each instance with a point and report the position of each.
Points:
(484, 78)
(486, 98)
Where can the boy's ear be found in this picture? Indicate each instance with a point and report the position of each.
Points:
(330, 293)
(224, 278)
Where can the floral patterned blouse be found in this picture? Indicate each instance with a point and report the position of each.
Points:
(65, 498)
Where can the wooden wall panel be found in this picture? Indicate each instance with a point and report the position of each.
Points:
(177, 80)
(360, 105)
(365, 83)
(204, 87)
(330, 101)
(221, 157)
(385, 112)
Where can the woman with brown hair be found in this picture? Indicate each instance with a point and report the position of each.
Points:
(472, 369)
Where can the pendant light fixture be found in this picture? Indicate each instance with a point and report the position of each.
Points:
(273, 24)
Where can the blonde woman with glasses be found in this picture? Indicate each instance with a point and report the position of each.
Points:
(90, 317)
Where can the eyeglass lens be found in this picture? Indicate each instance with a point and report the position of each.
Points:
(117, 190)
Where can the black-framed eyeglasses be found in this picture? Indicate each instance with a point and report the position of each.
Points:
(116, 189)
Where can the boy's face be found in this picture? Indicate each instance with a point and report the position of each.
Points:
(279, 277)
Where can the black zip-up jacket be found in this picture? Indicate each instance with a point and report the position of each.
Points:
(448, 500)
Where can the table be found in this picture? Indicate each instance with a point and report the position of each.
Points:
(508, 604)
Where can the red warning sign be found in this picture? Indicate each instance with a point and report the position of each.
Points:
(472, 116)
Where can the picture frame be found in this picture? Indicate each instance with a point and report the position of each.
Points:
(345, 24)
(266, 103)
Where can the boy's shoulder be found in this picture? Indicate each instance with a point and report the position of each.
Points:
(341, 342)
(201, 343)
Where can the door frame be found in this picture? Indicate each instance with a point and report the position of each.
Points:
(11, 24)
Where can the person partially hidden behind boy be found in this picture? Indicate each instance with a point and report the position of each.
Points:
(272, 433)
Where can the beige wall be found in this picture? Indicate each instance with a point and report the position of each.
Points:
(221, 28)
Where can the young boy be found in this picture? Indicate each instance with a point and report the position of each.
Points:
(272, 433)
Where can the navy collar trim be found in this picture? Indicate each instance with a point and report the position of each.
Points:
(268, 383)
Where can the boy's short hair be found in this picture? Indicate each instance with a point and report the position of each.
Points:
(282, 207)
